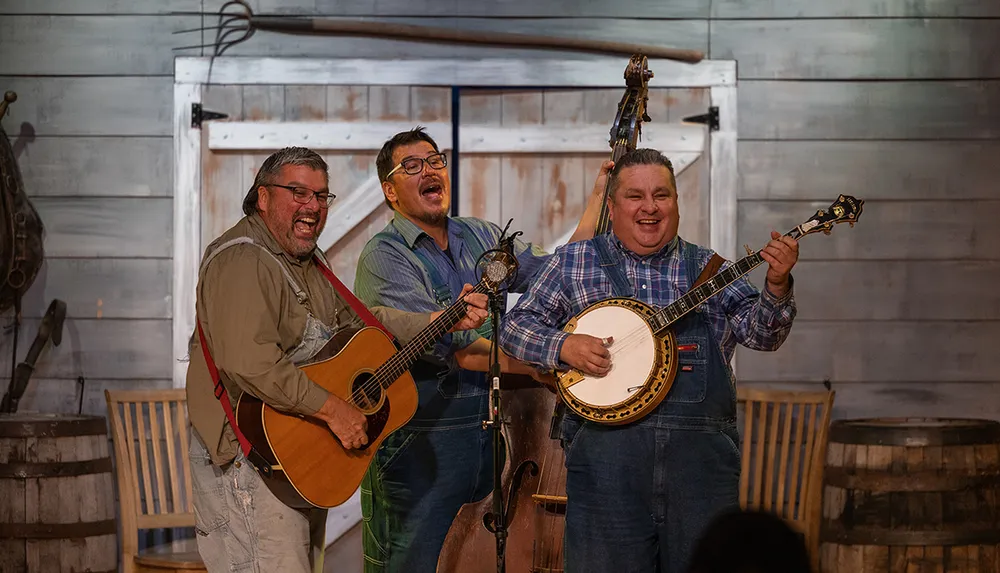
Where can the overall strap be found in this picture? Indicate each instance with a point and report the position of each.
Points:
(471, 239)
(348, 296)
(439, 287)
(300, 294)
(610, 264)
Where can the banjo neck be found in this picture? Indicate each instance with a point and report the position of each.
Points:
(673, 312)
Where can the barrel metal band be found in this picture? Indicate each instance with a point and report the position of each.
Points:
(880, 432)
(836, 533)
(44, 427)
(25, 470)
(881, 481)
(58, 530)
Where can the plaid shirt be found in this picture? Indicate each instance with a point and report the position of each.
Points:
(571, 280)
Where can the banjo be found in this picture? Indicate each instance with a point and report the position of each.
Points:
(644, 350)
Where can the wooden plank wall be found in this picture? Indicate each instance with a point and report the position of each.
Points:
(895, 102)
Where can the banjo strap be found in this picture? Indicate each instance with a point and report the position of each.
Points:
(713, 266)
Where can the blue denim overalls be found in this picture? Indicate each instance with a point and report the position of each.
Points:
(640, 495)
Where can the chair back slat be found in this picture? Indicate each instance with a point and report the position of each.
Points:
(783, 448)
(153, 458)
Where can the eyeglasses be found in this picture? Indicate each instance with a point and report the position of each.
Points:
(414, 165)
(304, 194)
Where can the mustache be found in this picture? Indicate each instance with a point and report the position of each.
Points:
(314, 214)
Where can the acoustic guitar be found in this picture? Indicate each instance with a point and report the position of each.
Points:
(304, 464)
(644, 350)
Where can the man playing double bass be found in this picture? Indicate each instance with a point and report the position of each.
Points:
(442, 459)
(639, 494)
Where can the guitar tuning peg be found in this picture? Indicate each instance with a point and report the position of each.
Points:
(826, 232)
(747, 247)
(851, 223)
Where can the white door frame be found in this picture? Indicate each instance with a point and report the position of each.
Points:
(192, 74)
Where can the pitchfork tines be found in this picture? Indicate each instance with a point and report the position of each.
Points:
(236, 24)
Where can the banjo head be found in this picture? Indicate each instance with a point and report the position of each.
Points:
(642, 364)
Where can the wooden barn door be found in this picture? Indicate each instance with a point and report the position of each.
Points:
(545, 194)
(358, 212)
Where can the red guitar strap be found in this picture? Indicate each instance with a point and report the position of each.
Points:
(220, 390)
(221, 395)
(352, 300)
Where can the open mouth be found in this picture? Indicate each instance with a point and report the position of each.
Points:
(432, 191)
(648, 222)
(305, 225)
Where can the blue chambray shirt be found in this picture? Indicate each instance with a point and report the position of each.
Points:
(390, 274)
(572, 279)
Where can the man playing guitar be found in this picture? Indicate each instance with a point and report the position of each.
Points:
(266, 303)
(639, 494)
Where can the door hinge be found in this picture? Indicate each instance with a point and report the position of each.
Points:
(199, 115)
(711, 119)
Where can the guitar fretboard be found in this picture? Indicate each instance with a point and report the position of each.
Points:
(400, 362)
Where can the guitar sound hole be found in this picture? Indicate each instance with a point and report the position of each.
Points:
(366, 393)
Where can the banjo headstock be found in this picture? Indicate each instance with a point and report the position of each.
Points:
(846, 209)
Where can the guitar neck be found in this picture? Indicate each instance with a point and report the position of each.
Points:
(402, 360)
(694, 297)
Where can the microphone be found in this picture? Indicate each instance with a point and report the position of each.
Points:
(499, 264)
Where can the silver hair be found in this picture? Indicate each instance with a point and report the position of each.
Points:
(271, 167)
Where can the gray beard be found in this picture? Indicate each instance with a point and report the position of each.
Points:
(303, 253)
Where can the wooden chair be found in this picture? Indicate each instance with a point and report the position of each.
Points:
(149, 429)
(784, 439)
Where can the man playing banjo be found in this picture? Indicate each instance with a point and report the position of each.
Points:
(640, 494)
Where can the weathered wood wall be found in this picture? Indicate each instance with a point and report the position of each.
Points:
(895, 102)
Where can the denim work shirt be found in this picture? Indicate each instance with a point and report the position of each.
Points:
(391, 272)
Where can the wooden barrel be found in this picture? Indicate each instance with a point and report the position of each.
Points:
(57, 504)
(911, 495)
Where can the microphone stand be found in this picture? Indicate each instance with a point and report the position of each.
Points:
(496, 522)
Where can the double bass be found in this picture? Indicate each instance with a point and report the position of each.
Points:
(536, 522)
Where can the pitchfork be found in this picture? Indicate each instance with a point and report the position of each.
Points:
(237, 23)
